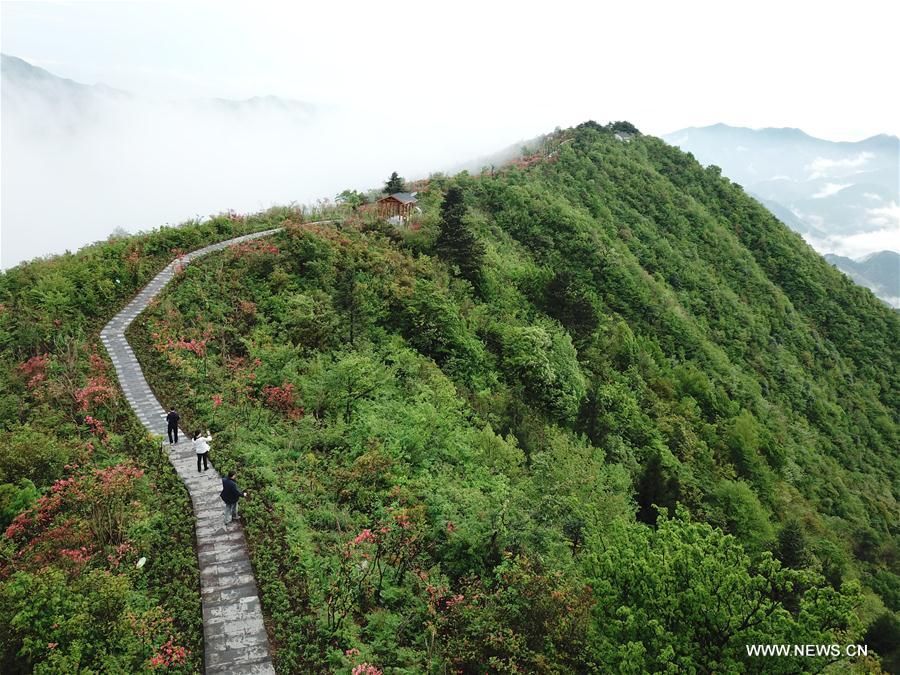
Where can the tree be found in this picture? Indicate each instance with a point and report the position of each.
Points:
(354, 300)
(394, 184)
(352, 198)
(623, 127)
(883, 636)
(543, 359)
(792, 545)
(456, 243)
(524, 619)
(685, 597)
(657, 486)
(568, 301)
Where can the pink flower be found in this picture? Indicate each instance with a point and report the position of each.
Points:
(364, 536)
(35, 369)
(366, 669)
(217, 400)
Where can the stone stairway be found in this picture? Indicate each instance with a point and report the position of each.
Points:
(234, 636)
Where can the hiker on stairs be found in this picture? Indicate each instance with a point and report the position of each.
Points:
(172, 425)
(201, 446)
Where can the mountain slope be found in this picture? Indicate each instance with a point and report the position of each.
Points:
(463, 429)
(98, 566)
(843, 197)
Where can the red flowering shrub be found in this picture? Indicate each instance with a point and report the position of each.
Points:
(396, 546)
(84, 512)
(98, 365)
(98, 392)
(253, 247)
(35, 370)
(282, 399)
(97, 428)
(165, 343)
(169, 655)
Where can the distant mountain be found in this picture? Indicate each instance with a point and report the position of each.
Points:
(45, 102)
(38, 102)
(879, 272)
(82, 160)
(842, 196)
(19, 73)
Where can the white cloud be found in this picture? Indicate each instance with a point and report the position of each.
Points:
(831, 189)
(872, 196)
(885, 216)
(857, 245)
(820, 165)
(742, 148)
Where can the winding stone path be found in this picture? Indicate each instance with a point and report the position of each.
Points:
(233, 632)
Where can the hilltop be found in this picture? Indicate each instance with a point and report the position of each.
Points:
(593, 409)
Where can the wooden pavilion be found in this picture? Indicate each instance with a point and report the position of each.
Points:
(398, 204)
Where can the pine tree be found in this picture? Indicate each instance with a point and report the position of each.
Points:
(792, 545)
(394, 184)
(656, 487)
(568, 301)
(456, 243)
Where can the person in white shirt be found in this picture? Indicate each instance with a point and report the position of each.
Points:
(201, 446)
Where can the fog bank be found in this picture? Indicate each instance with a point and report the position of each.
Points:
(79, 162)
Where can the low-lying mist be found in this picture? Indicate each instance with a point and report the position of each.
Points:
(76, 168)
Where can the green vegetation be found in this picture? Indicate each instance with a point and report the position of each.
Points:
(393, 184)
(84, 493)
(596, 411)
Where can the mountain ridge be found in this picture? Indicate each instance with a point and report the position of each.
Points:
(792, 131)
(23, 72)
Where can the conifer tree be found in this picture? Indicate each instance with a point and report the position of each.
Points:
(456, 243)
(792, 545)
(394, 184)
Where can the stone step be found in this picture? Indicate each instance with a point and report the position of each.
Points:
(235, 640)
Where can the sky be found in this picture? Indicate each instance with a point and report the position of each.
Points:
(826, 68)
(432, 84)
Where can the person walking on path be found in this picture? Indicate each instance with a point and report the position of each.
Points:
(172, 425)
(230, 495)
(201, 446)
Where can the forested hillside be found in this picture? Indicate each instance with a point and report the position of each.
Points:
(596, 411)
(98, 571)
(468, 437)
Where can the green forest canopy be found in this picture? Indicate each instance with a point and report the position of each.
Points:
(603, 413)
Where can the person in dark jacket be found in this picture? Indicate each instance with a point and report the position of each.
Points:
(230, 495)
(172, 425)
